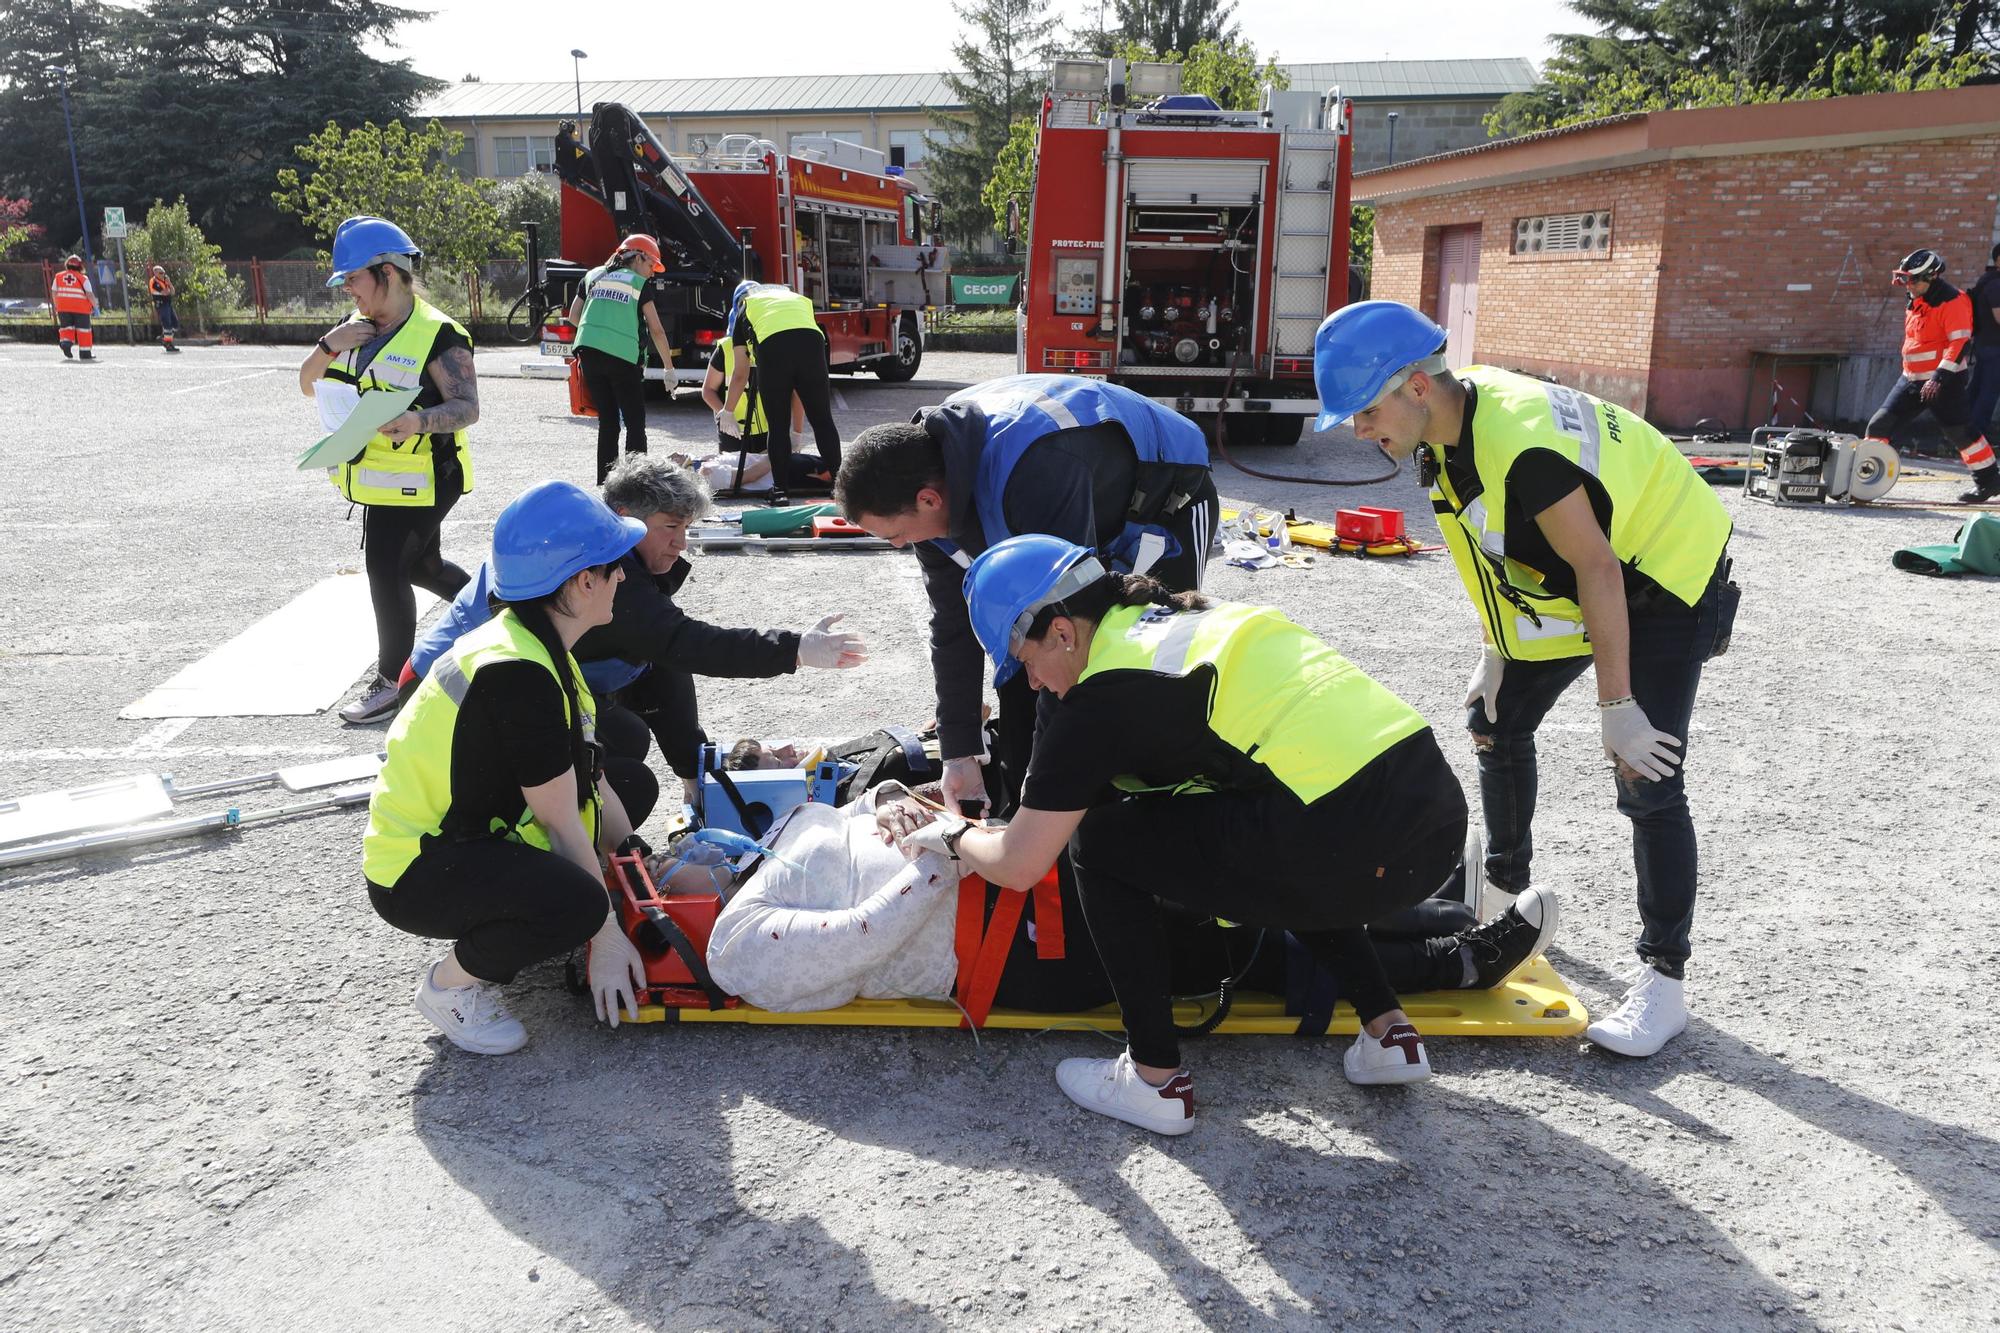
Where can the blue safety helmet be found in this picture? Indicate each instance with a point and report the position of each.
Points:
(736, 300)
(1359, 348)
(1013, 580)
(364, 240)
(551, 531)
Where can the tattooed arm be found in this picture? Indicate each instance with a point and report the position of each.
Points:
(459, 382)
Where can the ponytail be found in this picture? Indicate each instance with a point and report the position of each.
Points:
(1114, 590)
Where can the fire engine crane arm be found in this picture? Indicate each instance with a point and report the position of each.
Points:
(626, 170)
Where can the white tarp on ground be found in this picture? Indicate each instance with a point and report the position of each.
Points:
(299, 659)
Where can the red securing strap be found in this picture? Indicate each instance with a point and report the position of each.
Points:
(1049, 918)
(982, 945)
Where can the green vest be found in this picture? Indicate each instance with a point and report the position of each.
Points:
(413, 791)
(1665, 520)
(610, 320)
(750, 407)
(1281, 696)
(772, 310)
(387, 472)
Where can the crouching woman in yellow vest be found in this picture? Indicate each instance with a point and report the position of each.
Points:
(488, 822)
(409, 475)
(1213, 756)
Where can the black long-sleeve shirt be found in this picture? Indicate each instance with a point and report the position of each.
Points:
(648, 626)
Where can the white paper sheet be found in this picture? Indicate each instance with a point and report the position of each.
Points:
(335, 401)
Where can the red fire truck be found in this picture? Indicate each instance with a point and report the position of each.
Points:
(1185, 251)
(830, 219)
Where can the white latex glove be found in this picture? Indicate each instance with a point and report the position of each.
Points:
(725, 421)
(1630, 739)
(932, 838)
(964, 780)
(825, 646)
(1485, 684)
(617, 972)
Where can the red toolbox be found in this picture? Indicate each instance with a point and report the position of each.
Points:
(833, 525)
(1369, 525)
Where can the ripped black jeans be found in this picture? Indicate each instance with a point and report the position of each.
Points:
(1668, 650)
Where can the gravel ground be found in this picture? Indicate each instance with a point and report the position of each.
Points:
(220, 1111)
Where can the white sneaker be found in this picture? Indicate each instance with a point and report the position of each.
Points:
(472, 1017)
(378, 703)
(1114, 1088)
(1397, 1056)
(1652, 1014)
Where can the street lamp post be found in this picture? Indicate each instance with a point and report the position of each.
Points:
(76, 175)
(1392, 136)
(576, 67)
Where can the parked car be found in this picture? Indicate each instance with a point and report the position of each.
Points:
(28, 305)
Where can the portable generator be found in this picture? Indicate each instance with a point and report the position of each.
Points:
(1794, 466)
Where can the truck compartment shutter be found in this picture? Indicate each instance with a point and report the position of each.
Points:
(1180, 181)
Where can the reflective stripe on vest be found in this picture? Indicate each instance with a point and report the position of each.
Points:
(413, 791)
(1007, 416)
(750, 407)
(1281, 697)
(388, 473)
(772, 309)
(1665, 520)
(72, 292)
(610, 320)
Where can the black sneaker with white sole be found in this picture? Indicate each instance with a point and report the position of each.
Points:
(1503, 946)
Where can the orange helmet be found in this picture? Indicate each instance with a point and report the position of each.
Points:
(74, 261)
(639, 243)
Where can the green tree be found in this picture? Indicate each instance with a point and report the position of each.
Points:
(169, 237)
(1002, 55)
(391, 172)
(1013, 179)
(1361, 240)
(1227, 71)
(1176, 25)
(531, 198)
(174, 96)
(1657, 54)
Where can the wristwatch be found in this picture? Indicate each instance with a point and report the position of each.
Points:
(321, 340)
(950, 839)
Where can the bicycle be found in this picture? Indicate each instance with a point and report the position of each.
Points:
(530, 311)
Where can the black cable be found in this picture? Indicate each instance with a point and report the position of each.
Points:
(1225, 994)
(1222, 447)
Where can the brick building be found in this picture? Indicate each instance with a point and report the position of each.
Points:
(1727, 262)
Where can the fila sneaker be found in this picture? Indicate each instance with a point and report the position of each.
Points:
(1114, 1088)
(1397, 1056)
(471, 1017)
(1652, 1014)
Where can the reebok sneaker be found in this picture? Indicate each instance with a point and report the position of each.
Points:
(1114, 1088)
(1397, 1056)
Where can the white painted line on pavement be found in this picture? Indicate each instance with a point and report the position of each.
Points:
(161, 736)
(839, 400)
(96, 752)
(216, 384)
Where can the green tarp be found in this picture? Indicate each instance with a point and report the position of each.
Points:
(983, 289)
(1975, 550)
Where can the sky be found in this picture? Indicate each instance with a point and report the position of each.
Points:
(516, 40)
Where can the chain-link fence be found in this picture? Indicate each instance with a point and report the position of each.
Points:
(275, 292)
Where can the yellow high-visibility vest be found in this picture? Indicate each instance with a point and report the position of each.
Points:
(412, 795)
(387, 472)
(1665, 520)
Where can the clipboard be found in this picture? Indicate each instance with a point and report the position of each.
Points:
(376, 409)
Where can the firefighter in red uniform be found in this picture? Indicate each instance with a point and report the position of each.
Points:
(75, 302)
(1937, 337)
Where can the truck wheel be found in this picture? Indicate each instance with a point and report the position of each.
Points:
(909, 354)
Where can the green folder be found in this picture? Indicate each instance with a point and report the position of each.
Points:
(376, 409)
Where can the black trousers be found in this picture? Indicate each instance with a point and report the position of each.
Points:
(402, 552)
(790, 362)
(661, 704)
(505, 905)
(618, 392)
(1259, 859)
(637, 788)
(1949, 407)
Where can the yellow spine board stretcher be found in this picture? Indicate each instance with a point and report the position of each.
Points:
(1536, 1003)
(1324, 536)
